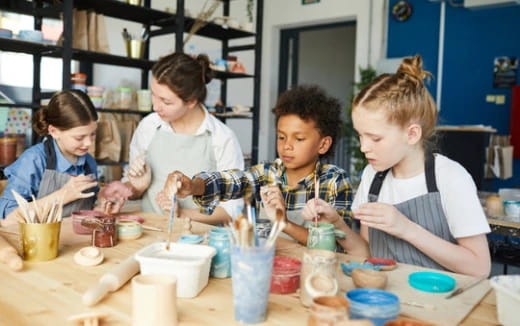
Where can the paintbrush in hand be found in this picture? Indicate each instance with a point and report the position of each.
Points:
(172, 213)
(316, 196)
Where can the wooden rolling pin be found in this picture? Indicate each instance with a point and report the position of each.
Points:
(111, 281)
(9, 255)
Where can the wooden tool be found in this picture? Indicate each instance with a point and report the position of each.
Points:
(111, 281)
(9, 255)
(464, 288)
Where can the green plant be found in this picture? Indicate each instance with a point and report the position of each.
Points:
(357, 158)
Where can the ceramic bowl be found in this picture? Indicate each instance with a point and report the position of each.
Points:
(512, 209)
(6, 33)
(30, 35)
(367, 278)
(128, 229)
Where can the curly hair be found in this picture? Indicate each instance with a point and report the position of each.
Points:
(311, 103)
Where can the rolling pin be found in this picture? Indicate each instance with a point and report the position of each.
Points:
(111, 281)
(9, 255)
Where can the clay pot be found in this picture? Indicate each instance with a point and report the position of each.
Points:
(328, 311)
(406, 322)
(367, 278)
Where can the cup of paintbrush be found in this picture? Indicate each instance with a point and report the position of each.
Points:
(40, 241)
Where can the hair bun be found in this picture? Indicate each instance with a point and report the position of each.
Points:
(412, 67)
(207, 73)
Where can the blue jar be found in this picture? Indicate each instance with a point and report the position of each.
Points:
(221, 262)
(378, 306)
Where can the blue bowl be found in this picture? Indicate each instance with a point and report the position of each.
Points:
(378, 306)
(30, 35)
(191, 238)
(431, 282)
(6, 33)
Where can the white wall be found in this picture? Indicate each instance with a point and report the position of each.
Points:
(278, 15)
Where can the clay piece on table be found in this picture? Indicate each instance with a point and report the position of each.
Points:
(348, 268)
(368, 278)
(89, 256)
(186, 226)
(383, 263)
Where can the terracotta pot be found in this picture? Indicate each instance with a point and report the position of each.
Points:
(328, 311)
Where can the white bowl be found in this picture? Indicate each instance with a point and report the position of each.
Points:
(507, 288)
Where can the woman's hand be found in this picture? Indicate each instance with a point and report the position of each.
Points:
(139, 174)
(384, 217)
(322, 209)
(116, 193)
(165, 203)
(75, 187)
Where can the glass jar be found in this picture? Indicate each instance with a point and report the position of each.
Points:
(106, 235)
(221, 262)
(125, 98)
(316, 263)
(321, 236)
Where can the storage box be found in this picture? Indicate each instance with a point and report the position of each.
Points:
(188, 262)
(507, 288)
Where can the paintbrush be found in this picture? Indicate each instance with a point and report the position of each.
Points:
(464, 288)
(419, 305)
(316, 194)
(172, 212)
(278, 226)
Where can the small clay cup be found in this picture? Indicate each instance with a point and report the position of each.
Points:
(367, 278)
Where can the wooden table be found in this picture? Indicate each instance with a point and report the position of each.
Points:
(47, 293)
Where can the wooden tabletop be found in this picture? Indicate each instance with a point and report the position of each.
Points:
(48, 293)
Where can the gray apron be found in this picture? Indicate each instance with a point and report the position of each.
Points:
(53, 180)
(425, 210)
(168, 152)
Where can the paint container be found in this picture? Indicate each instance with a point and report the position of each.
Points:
(323, 236)
(188, 262)
(106, 236)
(316, 261)
(328, 310)
(221, 262)
(286, 275)
(154, 300)
(378, 306)
(40, 241)
(251, 276)
(79, 216)
(128, 229)
(507, 288)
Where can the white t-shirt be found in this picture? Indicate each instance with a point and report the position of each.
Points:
(226, 147)
(460, 202)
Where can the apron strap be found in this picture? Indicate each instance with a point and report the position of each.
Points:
(50, 153)
(375, 187)
(429, 171)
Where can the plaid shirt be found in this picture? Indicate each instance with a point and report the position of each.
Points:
(234, 184)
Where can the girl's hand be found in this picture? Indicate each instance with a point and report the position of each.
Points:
(272, 199)
(324, 211)
(384, 217)
(139, 174)
(75, 187)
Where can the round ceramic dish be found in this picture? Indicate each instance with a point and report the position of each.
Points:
(128, 229)
(431, 282)
(191, 238)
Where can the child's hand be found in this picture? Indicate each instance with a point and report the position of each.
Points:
(139, 174)
(75, 187)
(272, 199)
(325, 212)
(384, 217)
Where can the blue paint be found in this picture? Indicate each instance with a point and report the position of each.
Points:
(221, 262)
(431, 282)
(191, 238)
(348, 268)
(473, 38)
(251, 279)
(378, 306)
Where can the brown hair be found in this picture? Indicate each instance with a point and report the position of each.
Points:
(311, 103)
(67, 109)
(186, 76)
(403, 95)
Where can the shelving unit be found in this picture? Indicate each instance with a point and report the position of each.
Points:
(158, 22)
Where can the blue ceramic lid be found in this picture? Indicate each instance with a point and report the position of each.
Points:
(431, 282)
(191, 238)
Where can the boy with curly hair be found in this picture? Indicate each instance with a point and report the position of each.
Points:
(308, 125)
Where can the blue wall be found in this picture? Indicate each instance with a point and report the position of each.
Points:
(473, 38)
